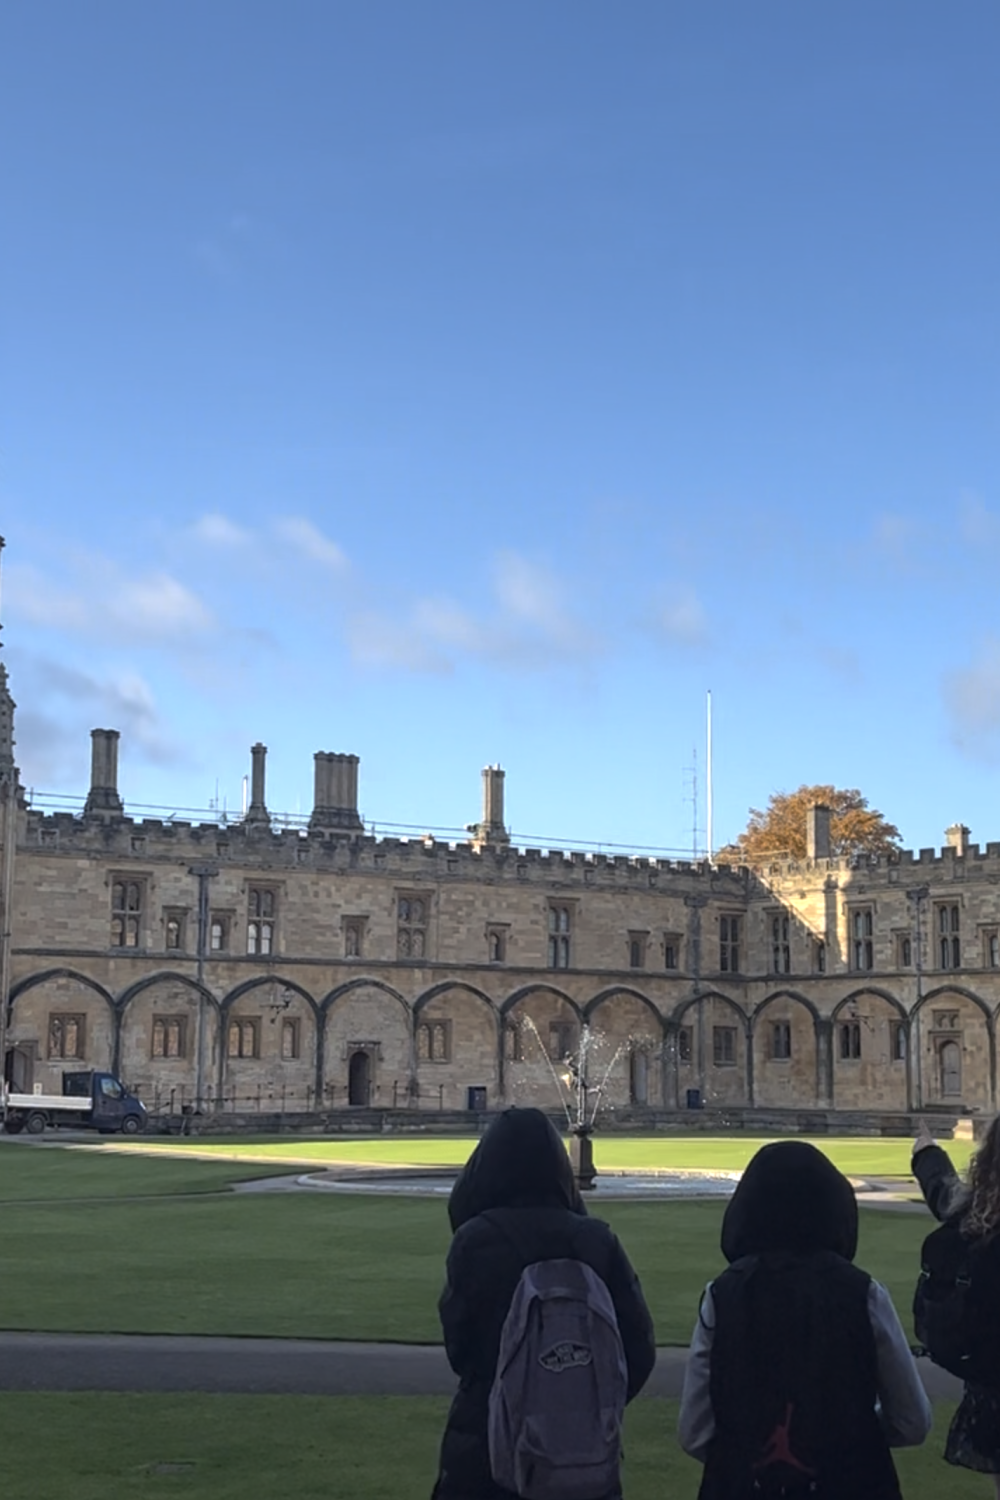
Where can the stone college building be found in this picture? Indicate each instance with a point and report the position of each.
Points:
(235, 967)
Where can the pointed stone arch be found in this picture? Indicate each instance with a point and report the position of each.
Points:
(632, 1054)
(367, 1015)
(786, 1028)
(168, 1040)
(712, 1053)
(933, 1038)
(60, 1018)
(534, 1043)
(457, 1045)
(288, 1063)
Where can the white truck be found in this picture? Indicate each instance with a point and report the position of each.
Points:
(89, 1100)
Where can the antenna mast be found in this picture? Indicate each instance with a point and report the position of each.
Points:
(708, 756)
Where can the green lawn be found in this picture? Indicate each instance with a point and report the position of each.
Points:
(184, 1259)
(857, 1156)
(114, 1447)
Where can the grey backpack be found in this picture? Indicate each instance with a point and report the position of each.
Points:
(558, 1396)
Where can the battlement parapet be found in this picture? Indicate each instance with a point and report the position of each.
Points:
(122, 838)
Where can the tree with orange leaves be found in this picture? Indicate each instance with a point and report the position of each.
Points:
(779, 831)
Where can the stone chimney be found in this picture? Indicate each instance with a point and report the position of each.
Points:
(818, 832)
(257, 813)
(958, 838)
(491, 829)
(335, 801)
(103, 799)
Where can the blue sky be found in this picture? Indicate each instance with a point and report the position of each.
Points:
(455, 383)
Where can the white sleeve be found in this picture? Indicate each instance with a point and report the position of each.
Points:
(903, 1407)
(696, 1421)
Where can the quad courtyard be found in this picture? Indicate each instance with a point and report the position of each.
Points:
(164, 1238)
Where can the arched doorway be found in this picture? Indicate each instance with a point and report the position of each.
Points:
(950, 1064)
(359, 1078)
(639, 1077)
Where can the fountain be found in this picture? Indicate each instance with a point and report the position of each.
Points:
(580, 1098)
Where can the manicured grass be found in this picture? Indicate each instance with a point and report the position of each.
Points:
(36, 1173)
(858, 1157)
(114, 1447)
(310, 1265)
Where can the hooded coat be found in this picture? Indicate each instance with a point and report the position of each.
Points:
(515, 1202)
(793, 1364)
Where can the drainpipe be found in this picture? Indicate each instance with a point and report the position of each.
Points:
(205, 873)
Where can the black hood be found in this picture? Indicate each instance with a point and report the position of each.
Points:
(520, 1161)
(791, 1197)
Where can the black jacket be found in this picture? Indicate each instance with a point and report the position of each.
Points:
(947, 1197)
(516, 1202)
(793, 1354)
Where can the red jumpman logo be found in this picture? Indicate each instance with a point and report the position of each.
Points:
(777, 1449)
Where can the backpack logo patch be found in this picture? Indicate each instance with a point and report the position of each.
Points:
(565, 1356)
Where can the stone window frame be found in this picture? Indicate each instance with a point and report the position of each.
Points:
(849, 1040)
(248, 1038)
(513, 1042)
(178, 915)
(724, 1046)
(685, 1050)
(672, 952)
(897, 1041)
(59, 1024)
(123, 911)
(779, 925)
(262, 919)
(819, 956)
(781, 1040)
(948, 934)
(861, 937)
(902, 938)
(413, 920)
(291, 1026)
(497, 935)
(354, 930)
(163, 1024)
(224, 920)
(566, 1034)
(638, 947)
(989, 938)
(560, 924)
(434, 1040)
(730, 941)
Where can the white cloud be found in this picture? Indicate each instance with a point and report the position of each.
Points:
(972, 697)
(528, 627)
(376, 641)
(683, 619)
(978, 525)
(310, 542)
(897, 538)
(107, 603)
(53, 736)
(216, 530)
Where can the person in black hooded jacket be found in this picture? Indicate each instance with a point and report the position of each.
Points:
(799, 1377)
(516, 1202)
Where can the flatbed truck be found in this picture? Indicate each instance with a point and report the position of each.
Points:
(89, 1101)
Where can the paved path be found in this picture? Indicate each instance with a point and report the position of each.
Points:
(140, 1362)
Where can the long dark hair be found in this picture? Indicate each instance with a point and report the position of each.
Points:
(982, 1216)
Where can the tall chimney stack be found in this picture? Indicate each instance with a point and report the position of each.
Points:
(335, 800)
(257, 813)
(491, 829)
(103, 799)
(958, 838)
(818, 832)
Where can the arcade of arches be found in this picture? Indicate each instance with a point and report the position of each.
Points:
(271, 1043)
